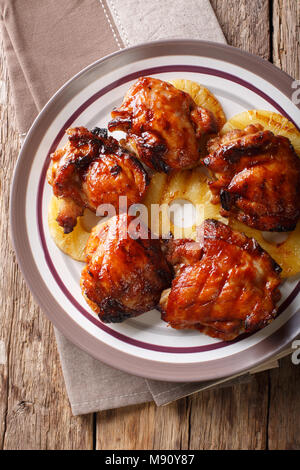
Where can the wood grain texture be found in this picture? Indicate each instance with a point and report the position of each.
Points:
(34, 409)
(286, 36)
(145, 427)
(126, 428)
(35, 412)
(231, 418)
(284, 414)
(245, 24)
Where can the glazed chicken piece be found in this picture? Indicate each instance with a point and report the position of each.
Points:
(92, 169)
(257, 178)
(163, 124)
(125, 273)
(224, 285)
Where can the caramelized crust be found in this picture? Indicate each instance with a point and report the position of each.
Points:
(92, 169)
(257, 178)
(163, 124)
(181, 252)
(225, 284)
(124, 277)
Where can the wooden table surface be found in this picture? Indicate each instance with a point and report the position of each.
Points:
(34, 408)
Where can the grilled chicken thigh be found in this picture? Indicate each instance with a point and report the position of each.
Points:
(163, 124)
(224, 285)
(92, 169)
(257, 178)
(125, 273)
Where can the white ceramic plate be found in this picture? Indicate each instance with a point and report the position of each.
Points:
(145, 345)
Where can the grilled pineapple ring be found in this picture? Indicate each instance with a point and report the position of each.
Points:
(273, 122)
(287, 253)
(73, 244)
(202, 97)
(184, 185)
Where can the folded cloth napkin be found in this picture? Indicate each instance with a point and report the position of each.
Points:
(46, 43)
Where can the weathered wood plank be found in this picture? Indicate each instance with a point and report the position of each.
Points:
(245, 24)
(34, 409)
(172, 424)
(231, 418)
(8, 145)
(126, 428)
(284, 414)
(286, 36)
(144, 427)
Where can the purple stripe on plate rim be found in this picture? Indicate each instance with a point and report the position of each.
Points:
(68, 123)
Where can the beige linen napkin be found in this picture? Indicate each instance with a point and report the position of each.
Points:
(46, 43)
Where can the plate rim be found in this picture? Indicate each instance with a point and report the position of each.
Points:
(176, 372)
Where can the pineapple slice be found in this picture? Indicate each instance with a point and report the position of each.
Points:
(286, 254)
(72, 244)
(202, 97)
(273, 122)
(185, 185)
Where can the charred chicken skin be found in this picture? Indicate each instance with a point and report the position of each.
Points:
(224, 285)
(257, 178)
(92, 169)
(124, 276)
(163, 124)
